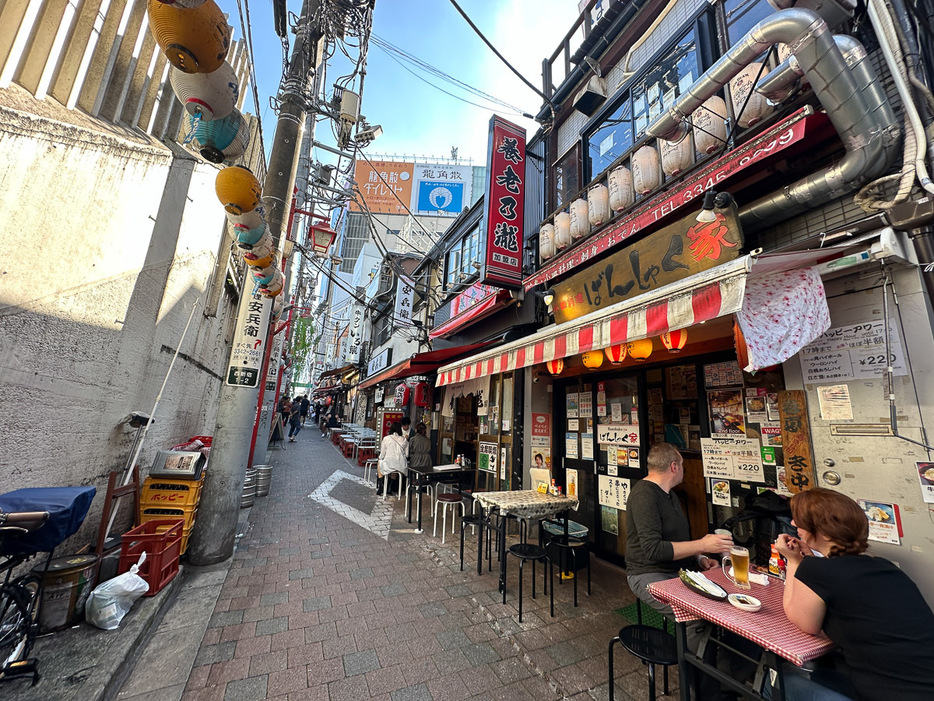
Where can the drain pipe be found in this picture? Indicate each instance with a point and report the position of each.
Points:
(866, 138)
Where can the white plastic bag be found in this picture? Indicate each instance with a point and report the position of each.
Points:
(112, 600)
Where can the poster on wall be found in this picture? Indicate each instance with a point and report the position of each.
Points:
(586, 404)
(613, 491)
(503, 463)
(570, 445)
(755, 406)
(570, 480)
(612, 468)
(834, 403)
(720, 492)
(855, 352)
(586, 446)
(726, 374)
(541, 440)
(732, 457)
(885, 524)
(487, 461)
(609, 519)
(616, 412)
(573, 424)
(926, 478)
(726, 411)
(572, 405)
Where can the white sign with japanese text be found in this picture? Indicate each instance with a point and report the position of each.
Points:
(249, 343)
(405, 297)
(618, 434)
(852, 352)
(728, 456)
(613, 491)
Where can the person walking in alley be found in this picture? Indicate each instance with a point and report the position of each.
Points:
(306, 403)
(295, 418)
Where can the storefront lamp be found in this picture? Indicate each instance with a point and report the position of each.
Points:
(322, 236)
(555, 367)
(674, 341)
(616, 354)
(640, 350)
(592, 359)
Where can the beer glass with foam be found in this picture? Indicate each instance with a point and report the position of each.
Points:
(739, 558)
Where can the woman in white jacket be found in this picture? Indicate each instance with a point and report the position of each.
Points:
(393, 454)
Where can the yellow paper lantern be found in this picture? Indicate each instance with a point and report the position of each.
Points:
(592, 359)
(616, 354)
(640, 350)
(194, 39)
(238, 190)
(674, 341)
(555, 367)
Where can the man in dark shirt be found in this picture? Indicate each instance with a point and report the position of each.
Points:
(658, 540)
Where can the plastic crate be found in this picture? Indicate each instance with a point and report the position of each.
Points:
(164, 491)
(160, 513)
(162, 542)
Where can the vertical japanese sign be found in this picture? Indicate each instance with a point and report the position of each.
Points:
(351, 348)
(505, 193)
(405, 296)
(796, 440)
(275, 358)
(249, 343)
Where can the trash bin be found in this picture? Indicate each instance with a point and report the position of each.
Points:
(65, 587)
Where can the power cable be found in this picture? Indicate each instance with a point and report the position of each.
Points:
(254, 78)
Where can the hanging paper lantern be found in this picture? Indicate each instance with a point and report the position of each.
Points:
(640, 350)
(556, 366)
(674, 341)
(238, 189)
(676, 156)
(615, 354)
(645, 175)
(263, 276)
(741, 85)
(598, 203)
(709, 122)
(739, 341)
(247, 238)
(592, 359)
(183, 3)
(262, 255)
(273, 287)
(546, 242)
(562, 230)
(621, 193)
(208, 95)
(194, 39)
(220, 139)
(249, 220)
(580, 224)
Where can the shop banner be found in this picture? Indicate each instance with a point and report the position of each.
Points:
(505, 197)
(405, 297)
(796, 440)
(386, 186)
(249, 342)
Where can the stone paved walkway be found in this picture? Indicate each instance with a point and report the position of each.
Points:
(331, 595)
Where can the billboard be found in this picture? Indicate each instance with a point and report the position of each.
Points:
(441, 190)
(505, 195)
(384, 186)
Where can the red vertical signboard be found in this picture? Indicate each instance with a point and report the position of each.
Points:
(505, 195)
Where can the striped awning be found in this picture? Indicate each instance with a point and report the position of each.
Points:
(714, 293)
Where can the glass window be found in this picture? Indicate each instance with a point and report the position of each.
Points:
(567, 176)
(471, 252)
(612, 139)
(742, 15)
(453, 267)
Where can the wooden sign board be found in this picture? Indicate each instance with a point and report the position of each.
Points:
(796, 440)
(673, 253)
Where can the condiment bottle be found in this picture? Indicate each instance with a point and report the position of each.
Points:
(774, 560)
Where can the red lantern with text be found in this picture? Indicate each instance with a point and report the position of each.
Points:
(402, 395)
(615, 354)
(592, 359)
(422, 395)
(640, 350)
(674, 341)
(555, 367)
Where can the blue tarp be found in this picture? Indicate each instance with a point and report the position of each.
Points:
(67, 507)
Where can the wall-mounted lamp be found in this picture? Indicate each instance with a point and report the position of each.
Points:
(548, 296)
(713, 200)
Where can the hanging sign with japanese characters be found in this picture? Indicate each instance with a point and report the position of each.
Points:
(351, 349)
(675, 252)
(796, 440)
(405, 296)
(613, 491)
(275, 359)
(505, 192)
(249, 343)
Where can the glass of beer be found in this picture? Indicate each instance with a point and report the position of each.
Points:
(739, 558)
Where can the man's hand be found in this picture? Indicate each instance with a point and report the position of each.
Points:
(713, 543)
(707, 563)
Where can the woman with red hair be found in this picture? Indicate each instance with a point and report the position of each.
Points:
(870, 608)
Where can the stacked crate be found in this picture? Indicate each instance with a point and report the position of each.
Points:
(166, 498)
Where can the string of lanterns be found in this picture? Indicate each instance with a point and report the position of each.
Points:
(639, 350)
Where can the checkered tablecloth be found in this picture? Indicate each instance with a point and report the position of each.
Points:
(527, 503)
(768, 627)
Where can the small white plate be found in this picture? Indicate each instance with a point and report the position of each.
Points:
(744, 602)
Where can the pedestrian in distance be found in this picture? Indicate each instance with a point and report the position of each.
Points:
(406, 424)
(295, 418)
(306, 403)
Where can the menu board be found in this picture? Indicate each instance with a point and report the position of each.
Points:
(723, 375)
(682, 381)
(853, 352)
(732, 457)
(613, 491)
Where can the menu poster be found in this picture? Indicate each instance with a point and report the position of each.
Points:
(885, 523)
(852, 352)
(771, 406)
(601, 396)
(656, 404)
(634, 416)
(609, 520)
(601, 409)
(622, 434)
(771, 434)
(720, 492)
(633, 457)
(622, 456)
(573, 425)
(541, 440)
(682, 382)
(732, 457)
(768, 455)
(503, 462)
(926, 478)
(616, 412)
(611, 467)
(684, 414)
(586, 404)
(755, 406)
(723, 375)
(834, 402)
(726, 411)
(570, 450)
(613, 491)
(487, 461)
(572, 407)
(570, 480)
(586, 446)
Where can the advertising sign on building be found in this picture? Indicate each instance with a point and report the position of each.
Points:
(378, 362)
(505, 196)
(249, 343)
(386, 186)
(441, 190)
(272, 372)
(351, 349)
(405, 297)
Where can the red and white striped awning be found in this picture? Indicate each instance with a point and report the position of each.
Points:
(702, 297)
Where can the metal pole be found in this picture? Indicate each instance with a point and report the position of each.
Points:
(213, 538)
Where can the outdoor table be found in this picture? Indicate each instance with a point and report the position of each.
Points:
(769, 628)
(420, 476)
(523, 503)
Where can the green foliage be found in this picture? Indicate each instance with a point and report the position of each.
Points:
(303, 347)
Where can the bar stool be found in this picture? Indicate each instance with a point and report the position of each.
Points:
(368, 468)
(651, 645)
(444, 501)
(386, 483)
(535, 553)
(472, 520)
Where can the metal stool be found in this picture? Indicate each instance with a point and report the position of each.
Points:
(471, 520)
(444, 501)
(525, 551)
(651, 645)
(386, 483)
(572, 547)
(368, 468)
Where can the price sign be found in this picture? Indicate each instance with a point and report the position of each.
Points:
(732, 457)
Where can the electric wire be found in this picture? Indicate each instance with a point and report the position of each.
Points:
(254, 78)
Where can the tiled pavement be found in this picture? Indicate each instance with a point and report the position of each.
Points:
(331, 595)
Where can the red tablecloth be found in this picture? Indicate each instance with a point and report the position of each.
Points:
(768, 627)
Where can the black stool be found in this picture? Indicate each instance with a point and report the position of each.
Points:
(468, 520)
(651, 645)
(572, 546)
(525, 551)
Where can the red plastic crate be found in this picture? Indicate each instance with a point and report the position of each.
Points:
(161, 539)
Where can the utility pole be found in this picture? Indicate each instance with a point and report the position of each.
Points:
(215, 529)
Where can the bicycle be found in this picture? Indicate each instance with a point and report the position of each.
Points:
(32, 521)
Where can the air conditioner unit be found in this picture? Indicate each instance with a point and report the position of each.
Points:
(591, 96)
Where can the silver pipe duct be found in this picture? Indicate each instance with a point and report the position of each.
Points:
(867, 139)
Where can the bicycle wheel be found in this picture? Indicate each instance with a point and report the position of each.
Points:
(17, 632)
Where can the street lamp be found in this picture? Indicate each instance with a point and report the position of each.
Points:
(321, 237)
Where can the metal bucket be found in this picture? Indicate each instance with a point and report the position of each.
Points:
(66, 585)
(249, 491)
(263, 479)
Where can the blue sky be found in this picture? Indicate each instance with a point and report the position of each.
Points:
(417, 119)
